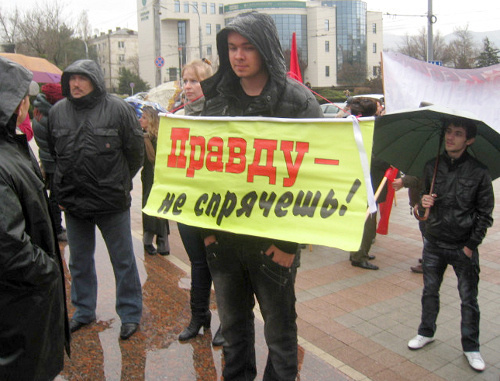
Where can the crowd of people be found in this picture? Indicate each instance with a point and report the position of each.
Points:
(92, 144)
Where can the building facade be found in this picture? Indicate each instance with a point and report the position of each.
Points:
(187, 30)
(115, 50)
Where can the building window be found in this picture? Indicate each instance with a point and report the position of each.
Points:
(374, 28)
(186, 7)
(209, 29)
(374, 47)
(212, 8)
(121, 44)
(204, 8)
(327, 25)
(327, 71)
(327, 46)
(177, 6)
(217, 28)
(209, 50)
(221, 9)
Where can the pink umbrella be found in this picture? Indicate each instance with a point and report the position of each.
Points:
(294, 61)
(43, 71)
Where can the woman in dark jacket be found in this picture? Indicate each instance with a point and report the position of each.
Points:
(33, 319)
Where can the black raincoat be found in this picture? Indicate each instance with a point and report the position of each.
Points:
(33, 317)
(98, 146)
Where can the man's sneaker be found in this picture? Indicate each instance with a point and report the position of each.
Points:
(475, 360)
(419, 341)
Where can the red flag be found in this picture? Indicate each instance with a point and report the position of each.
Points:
(294, 61)
(386, 206)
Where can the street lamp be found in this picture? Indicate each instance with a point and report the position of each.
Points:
(195, 7)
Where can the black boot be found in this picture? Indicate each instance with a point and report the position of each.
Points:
(218, 339)
(200, 314)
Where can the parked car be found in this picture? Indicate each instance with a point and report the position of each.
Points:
(331, 109)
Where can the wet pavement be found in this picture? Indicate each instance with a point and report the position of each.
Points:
(354, 324)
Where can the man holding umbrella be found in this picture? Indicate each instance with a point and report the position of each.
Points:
(461, 205)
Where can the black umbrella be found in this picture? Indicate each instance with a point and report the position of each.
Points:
(408, 139)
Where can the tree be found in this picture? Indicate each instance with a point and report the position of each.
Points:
(463, 49)
(489, 55)
(9, 24)
(352, 74)
(126, 78)
(416, 47)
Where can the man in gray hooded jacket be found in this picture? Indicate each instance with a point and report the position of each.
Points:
(251, 81)
(98, 146)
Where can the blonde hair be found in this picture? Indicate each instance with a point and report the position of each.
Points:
(153, 120)
(202, 68)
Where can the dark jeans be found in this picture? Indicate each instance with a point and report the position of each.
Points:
(116, 231)
(240, 270)
(369, 234)
(195, 249)
(435, 261)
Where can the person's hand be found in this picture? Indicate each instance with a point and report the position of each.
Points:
(468, 251)
(209, 240)
(397, 184)
(280, 257)
(428, 200)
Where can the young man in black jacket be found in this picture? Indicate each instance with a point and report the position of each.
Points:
(251, 81)
(461, 212)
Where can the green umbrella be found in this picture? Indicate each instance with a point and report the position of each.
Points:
(408, 139)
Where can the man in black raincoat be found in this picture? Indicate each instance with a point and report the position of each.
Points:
(251, 81)
(33, 317)
(98, 146)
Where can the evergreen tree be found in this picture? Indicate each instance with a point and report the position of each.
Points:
(126, 78)
(489, 55)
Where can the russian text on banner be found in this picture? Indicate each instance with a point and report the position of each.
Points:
(299, 180)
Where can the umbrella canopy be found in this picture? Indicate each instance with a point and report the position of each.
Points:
(43, 71)
(408, 139)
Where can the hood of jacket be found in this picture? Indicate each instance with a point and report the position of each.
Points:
(260, 30)
(89, 69)
(14, 84)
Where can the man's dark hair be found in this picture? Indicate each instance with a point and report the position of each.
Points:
(363, 107)
(469, 125)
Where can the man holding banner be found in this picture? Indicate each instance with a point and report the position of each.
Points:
(251, 81)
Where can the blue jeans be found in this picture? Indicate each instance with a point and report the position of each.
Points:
(240, 270)
(435, 261)
(115, 229)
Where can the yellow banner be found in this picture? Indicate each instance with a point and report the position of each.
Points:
(299, 180)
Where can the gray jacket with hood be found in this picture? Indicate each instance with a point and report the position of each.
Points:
(33, 317)
(282, 97)
(98, 146)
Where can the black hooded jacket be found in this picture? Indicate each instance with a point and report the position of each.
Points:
(98, 146)
(282, 97)
(34, 328)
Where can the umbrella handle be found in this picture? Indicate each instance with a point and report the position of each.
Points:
(417, 215)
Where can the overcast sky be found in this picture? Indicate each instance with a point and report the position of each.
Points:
(480, 15)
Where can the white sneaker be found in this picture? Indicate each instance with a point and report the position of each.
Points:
(419, 341)
(475, 360)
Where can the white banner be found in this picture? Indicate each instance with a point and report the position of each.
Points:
(408, 81)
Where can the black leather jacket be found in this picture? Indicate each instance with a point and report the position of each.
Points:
(462, 211)
(98, 146)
